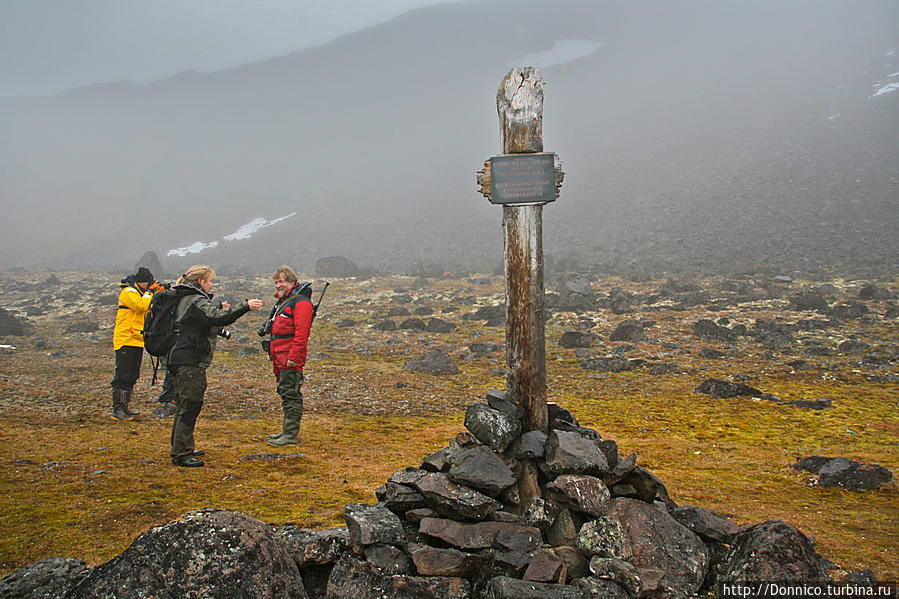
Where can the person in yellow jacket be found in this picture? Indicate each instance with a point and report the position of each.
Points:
(128, 339)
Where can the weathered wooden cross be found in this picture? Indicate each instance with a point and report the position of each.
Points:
(523, 179)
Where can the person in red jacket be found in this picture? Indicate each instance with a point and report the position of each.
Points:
(291, 321)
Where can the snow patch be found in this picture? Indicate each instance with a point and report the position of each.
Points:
(889, 87)
(194, 248)
(244, 232)
(562, 51)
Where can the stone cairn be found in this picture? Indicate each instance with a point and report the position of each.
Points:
(603, 527)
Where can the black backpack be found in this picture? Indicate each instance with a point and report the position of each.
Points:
(159, 323)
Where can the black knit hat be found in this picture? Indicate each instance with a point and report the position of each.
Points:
(143, 276)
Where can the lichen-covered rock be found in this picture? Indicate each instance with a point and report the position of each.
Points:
(369, 524)
(581, 493)
(573, 453)
(314, 547)
(206, 553)
(492, 427)
(655, 540)
(772, 550)
(49, 578)
(454, 500)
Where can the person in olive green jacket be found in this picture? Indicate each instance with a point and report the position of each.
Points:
(198, 322)
(128, 339)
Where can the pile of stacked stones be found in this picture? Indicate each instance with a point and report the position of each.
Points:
(602, 526)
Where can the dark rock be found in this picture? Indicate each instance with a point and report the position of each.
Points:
(621, 572)
(721, 389)
(852, 475)
(437, 325)
(800, 365)
(555, 413)
(563, 530)
(530, 445)
(657, 369)
(480, 468)
(578, 566)
(151, 262)
(206, 553)
(12, 325)
(772, 550)
(314, 547)
(600, 588)
(655, 540)
(546, 566)
(708, 329)
(711, 354)
(345, 323)
(605, 537)
(620, 301)
(491, 427)
(572, 453)
(871, 291)
(853, 346)
(82, 326)
(704, 522)
(454, 500)
(398, 311)
(437, 461)
(647, 487)
(816, 404)
(389, 559)
(613, 364)
(413, 324)
(841, 312)
(355, 579)
(504, 587)
(335, 266)
(490, 312)
(436, 362)
(369, 524)
(812, 463)
(49, 578)
(581, 493)
(400, 498)
(433, 561)
(478, 535)
(628, 330)
(808, 300)
(479, 350)
(385, 325)
(573, 339)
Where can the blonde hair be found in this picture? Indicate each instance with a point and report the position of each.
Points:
(286, 272)
(195, 274)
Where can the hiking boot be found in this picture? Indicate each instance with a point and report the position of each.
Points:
(289, 436)
(118, 400)
(126, 401)
(188, 462)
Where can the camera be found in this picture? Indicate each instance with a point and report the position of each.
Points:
(223, 332)
(264, 329)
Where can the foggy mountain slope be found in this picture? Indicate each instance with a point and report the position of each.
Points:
(697, 136)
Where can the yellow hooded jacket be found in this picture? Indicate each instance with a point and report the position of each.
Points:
(129, 319)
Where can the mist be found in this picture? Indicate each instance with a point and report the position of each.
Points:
(698, 137)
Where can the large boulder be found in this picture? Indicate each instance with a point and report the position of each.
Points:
(10, 324)
(436, 362)
(206, 553)
(655, 541)
(772, 550)
(47, 579)
(335, 266)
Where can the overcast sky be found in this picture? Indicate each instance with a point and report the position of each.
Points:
(47, 46)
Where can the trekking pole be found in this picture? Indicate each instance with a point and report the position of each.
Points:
(318, 303)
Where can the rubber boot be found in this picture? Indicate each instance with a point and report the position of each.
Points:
(281, 432)
(126, 401)
(118, 400)
(291, 429)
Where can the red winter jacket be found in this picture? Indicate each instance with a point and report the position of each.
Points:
(290, 332)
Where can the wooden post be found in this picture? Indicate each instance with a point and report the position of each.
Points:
(519, 104)
(523, 179)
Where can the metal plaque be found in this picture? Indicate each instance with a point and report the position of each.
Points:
(523, 178)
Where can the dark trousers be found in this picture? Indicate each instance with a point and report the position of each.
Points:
(168, 387)
(289, 383)
(127, 367)
(190, 387)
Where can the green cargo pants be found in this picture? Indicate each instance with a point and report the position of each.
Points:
(190, 387)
